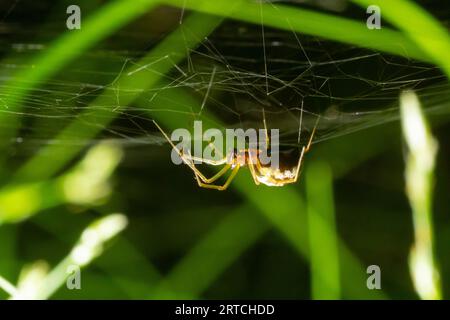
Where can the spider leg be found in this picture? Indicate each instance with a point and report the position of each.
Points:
(312, 135)
(304, 150)
(258, 166)
(265, 129)
(208, 161)
(299, 164)
(300, 159)
(216, 187)
(218, 174)
(300, 123)
(212, 162)
(188, 160)
(251, 166)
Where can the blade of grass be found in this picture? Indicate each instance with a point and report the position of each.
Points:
(84, 184)
(419, 25)
(7, 286)
(134, 285)
(8, 249)
(212, 255)
(285, 209)
(312, 23)
(324, 257)
(145, 274)
(89, 246)
(420, 163)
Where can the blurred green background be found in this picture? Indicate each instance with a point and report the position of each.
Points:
(86, 179)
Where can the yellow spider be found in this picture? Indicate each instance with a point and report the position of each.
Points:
(236, 159)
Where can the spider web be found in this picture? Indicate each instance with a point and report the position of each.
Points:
(236, 73)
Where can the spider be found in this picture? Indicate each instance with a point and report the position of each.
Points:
(236, 159)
